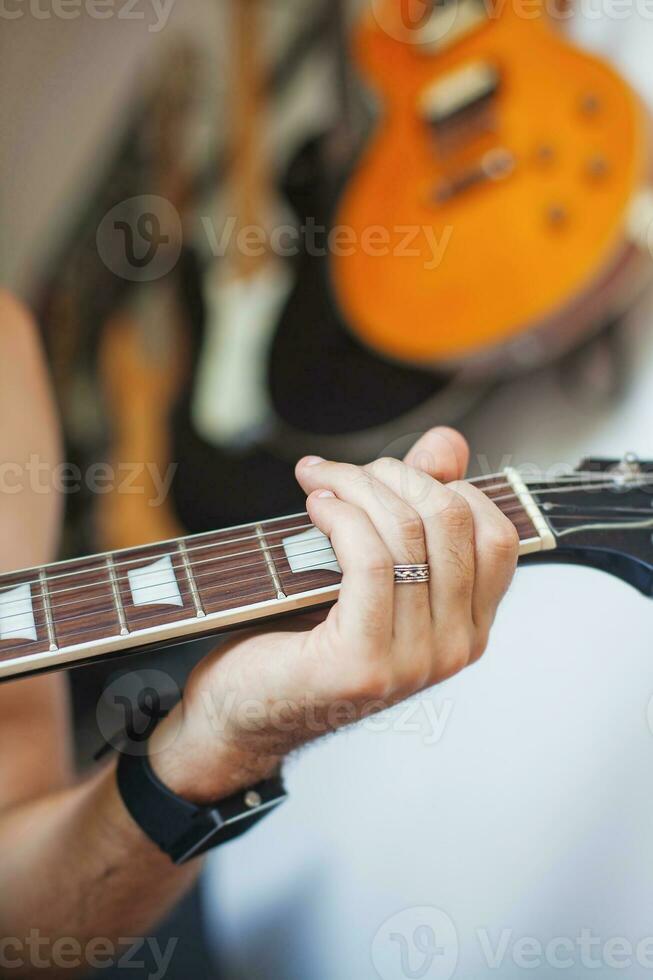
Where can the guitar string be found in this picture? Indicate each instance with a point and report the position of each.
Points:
(195, 563)
(206, 590)
(598, 511)
(180, 591)
(203, 544)
(219, 586)
(600, 526)
(252, 580)
(617, 486)
(250, 537)
(76, 589)
(128, 593)
(176, 554)
(187, 593)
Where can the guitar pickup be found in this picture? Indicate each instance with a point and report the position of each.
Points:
(459, 94)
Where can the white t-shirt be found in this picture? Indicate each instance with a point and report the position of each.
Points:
(501, 825)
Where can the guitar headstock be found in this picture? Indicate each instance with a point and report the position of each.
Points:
(602, 516)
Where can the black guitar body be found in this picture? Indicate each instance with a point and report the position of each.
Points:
(321, 380)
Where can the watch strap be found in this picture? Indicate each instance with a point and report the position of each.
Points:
(180, 828)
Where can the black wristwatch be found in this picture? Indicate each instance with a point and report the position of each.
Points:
(180, 829)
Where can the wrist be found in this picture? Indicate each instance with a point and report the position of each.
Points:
(204, 767)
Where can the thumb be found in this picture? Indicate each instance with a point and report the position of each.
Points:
(442, 453)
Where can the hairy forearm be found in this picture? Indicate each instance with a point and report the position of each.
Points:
(76, 867)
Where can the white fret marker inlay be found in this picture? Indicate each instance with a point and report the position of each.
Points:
(17, 614)
(155, 584)
(311, 550)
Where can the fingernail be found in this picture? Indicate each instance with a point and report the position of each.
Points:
(326, 493)
(312, 460)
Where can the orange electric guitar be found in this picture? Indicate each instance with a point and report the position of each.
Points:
(500, 211)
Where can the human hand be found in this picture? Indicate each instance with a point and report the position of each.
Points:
(266, 692)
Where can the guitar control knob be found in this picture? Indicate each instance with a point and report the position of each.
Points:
(545, 153)
(557, 215)
(590, 104)
(597, 167)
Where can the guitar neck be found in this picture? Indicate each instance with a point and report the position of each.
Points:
(81, 610)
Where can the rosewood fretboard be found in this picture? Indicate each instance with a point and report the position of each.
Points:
(79, 610)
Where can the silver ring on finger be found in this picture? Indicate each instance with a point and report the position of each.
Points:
(411, 574)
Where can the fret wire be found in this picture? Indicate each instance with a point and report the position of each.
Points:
(199, 609)
(124, 631)
(47, 609)
(269, 561)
